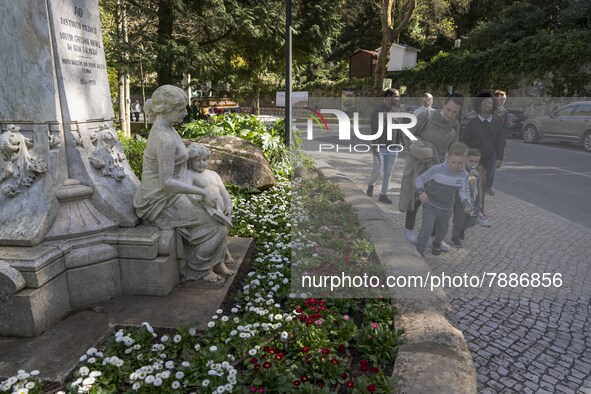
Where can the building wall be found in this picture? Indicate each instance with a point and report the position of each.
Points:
(361, 65)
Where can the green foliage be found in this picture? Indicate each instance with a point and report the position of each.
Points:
(134, 147)
(268, 137)
(564, 54)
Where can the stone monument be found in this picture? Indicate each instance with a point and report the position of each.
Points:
(69, 234)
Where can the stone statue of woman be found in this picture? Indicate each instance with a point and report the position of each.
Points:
(163, 197)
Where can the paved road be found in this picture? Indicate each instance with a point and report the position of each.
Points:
(521, 342)
(551, 176)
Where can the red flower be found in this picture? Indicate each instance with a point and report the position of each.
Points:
(322, 308)
(305, 349)
(261, 390)
(310, 322)
(363, 362)
(371, 388)
(320, 384)
(253, 389)
(304, 378)
(299, 310)
(266, 365)
(342, 348)
(334, 361)
(254, 360)
(278, 357)
(257, 367)
(364, 368)
(375, 325)
(375, 370)
(350, 384)
(296, 382)
(325, 351)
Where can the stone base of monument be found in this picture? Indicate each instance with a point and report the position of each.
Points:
(57, 351)
(42, 284)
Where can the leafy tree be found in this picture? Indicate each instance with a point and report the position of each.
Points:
(361, 29)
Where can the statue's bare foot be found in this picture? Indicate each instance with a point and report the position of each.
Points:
(223, 270)
(211, 277)
(228, 260)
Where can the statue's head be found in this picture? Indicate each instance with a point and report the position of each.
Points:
(198, 157)
(166, 98)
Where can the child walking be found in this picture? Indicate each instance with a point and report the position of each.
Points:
(436, 189)
(463, 220)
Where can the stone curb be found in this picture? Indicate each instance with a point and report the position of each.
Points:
(434, 357)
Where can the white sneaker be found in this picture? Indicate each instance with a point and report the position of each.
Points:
(410, 236)
(483, 221)
(443, 246)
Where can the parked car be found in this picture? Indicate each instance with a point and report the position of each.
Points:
(513, 127)
(571, 123)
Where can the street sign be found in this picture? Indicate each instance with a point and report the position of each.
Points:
(386, 84)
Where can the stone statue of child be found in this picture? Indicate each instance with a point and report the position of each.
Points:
(220, 209)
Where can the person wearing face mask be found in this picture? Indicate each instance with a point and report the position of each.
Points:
(485, 133)
(436, 132)
(384, 158)
(463, 220)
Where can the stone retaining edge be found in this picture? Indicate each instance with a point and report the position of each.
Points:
(433, 357)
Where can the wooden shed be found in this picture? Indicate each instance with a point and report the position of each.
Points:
(362, 63)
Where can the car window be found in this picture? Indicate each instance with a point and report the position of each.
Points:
(564, 111)
(582, 110)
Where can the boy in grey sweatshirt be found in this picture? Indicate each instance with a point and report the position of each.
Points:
(436, 188)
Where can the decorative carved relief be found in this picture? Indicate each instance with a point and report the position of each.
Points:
(54, 140)
(18, 167)
(77, 139)
(105, 158)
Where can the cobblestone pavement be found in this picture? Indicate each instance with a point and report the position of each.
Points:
(521, 341)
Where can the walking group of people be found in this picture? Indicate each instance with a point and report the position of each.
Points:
(449, 171)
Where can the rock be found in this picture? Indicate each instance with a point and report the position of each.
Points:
(238, 162)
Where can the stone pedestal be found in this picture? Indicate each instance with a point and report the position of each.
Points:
(42, 284)
(69, 235)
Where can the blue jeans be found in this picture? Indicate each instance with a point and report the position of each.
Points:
(383, 163)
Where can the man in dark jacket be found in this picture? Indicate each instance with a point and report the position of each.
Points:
(485, 133)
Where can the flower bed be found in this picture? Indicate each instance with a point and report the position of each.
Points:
(270, 341)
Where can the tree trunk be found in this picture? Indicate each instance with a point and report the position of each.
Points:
(124, 99)
(165, 30)
(257, 100)
(382, 65)
(396, 16)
